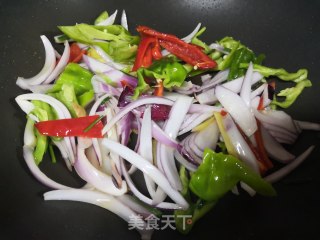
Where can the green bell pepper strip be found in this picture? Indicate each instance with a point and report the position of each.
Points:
(115, 40)
(74, 89)
(219, 173)
(171, 73)
(43, 112)
(103, 16)
(241, 55)
(291, 94)
(74, 75)
(281, 73)
(185, 219)
(68, 97)
(196, 41)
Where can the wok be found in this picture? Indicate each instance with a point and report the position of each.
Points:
(288, 32)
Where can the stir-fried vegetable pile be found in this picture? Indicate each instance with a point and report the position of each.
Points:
(114, 103)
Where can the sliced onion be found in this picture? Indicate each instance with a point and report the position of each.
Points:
(240, 145)
(236, 84)
(207, 97)
(238, 109)
(277, 118)
(146, 146)
(189, 119)
(146, 167)
(28, 149)
(110, 20)
(90, 174)
(63, 61)
(218, 47)
(307, 125)
(162, 137)
(203, 108)
(189, 149)
(208, 137)
(191, 167)
(274, 149)
(95, 141)
(195, 123)
(60, 109)
(143, 198)
(187, 88)
(112, 73)
(258, 91)
(284, 171)
(133, 204)
(173, 124)
(63, 148)
(43, 88)
(255, 102)
(124, 20)
(192, 34)
(108, 60)
(100, 87)
(218, 78)
(133, 105)
(102, 200)
(246, 86)
(46, 70)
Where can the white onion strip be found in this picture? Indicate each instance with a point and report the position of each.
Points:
(238, 109)
(145, 146)
(95, 141)
(110, 20)
(107, 59)
(173, 124)
(146, 167)
(239, 143)
(195, 123)
(30, 161)
(275, 149)
(191, 167)
(246, 85)
(307, 125)
(236, 84)
(102, 200)
(63, 61)
(47, 68)
(133, 105)
(90, 174)
(276, 176)
(124, 20)
(192, 34)
(218, 78)
(61, 111)
(162, 137)
(143, 198)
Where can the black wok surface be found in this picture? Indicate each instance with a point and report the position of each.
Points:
(288, 32)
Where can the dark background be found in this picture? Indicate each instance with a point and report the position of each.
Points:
(288, 32)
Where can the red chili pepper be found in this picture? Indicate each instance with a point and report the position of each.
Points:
(147, 59)
(260, 105)
(187, 52)
(261, 149)
(76, 53)
(263, 161)
(223, 113)
(71, 127)
(144, 45)
(156, 50)
(124, 84)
